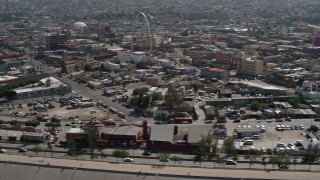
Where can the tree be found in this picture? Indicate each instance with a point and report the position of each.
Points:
(87, 67)
(213, 156)
(13, 122)
(72, 151)
(220, 160)
(102, 68)
(175, 158)
(173, 100)
(251, 157)
(221, 119)
(102, 154)
(314, 128)
(264, 162)
(295, 161)
(281, 159)
(33, 123)
(206, 149)
(142, 65)
(229, 146)
(163, 156)
(184, 33)
(50, 148)
(309, 158)
(36, 149)
(294, 101)
(120, 153)
(273, 160)
(91, 137)
(156, 96)
(200, 155)
(255, 105)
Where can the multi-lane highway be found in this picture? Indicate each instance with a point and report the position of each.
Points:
(153, 160)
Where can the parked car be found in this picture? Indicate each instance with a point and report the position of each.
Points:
(269, 151)
(122, 115)
(301, 127)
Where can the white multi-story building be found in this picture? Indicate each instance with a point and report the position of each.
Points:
(111, 66)
(51, 86)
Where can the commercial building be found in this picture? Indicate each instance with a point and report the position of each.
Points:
(51, 86)
(73, 133)
(121, 135)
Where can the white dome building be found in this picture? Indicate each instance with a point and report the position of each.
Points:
(79, 25)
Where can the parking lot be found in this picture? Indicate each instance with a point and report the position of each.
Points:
(271, 137)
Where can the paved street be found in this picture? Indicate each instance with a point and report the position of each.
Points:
(158, 169)
(27, 172)
(60, 153)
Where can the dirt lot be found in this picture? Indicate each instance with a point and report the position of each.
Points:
(88, 113)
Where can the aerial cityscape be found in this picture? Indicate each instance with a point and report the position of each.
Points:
(167, 89)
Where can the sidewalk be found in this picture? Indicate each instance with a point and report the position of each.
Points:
(159, 170)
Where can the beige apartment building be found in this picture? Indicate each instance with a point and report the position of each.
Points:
(250, 66)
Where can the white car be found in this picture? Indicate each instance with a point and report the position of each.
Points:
(2, 150)
(127, 160)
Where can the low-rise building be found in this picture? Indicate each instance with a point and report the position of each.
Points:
(220, 74)
(73, 133)
(121, 135)
(245, 132)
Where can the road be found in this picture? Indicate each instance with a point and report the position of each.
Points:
(153, 160)
(33, 172)
(161, 170)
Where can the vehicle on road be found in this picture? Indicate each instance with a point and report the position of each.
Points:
(289, 119)
(127, 160)
(23, 150)
(164, 160)
(146, 153)
(317, 119)
(231, 162)
(2, 150)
